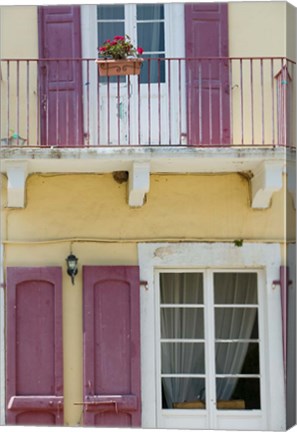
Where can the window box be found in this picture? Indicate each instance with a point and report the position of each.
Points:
(119, 67)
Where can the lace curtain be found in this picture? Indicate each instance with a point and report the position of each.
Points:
(186, 323)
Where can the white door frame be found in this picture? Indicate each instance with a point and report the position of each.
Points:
(2, 339)
(263, 257)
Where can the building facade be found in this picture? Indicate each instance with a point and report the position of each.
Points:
(175, 192)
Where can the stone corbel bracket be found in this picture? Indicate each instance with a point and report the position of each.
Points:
(267, 180)
(139, 183)
(17, 172)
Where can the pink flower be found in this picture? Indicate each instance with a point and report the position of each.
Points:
(139, 50)
(102, 49)
(118, 38)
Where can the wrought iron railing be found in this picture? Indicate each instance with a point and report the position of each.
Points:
(173, 102)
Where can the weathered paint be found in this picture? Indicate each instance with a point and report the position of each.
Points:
(111, 346)
(217, 205)
(104, 213)
(34, 380)
(208, 94)
(61, 83)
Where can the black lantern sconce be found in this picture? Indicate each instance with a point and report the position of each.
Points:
(72, 266)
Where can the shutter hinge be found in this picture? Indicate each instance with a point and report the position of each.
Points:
(144, 283)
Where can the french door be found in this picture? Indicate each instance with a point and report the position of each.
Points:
(136, 109)
(210, 350)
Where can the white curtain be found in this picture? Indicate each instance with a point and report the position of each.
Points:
(188, 323)
(233, 324)
(182, 323)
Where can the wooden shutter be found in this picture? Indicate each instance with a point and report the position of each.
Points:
(34, 384)
(61, 81)
(111, 346)
(208, 96)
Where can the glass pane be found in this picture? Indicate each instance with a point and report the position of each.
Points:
(183, 393)
(238, 393)
(236, 323)
(110, 12)
(237, 358)
(182, 323)
(109, 30)
(235, 288)
(150, 12)
(181, 358)
(150, 36)
(181, 288)
(153, 71)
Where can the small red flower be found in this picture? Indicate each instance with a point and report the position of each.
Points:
(139, 50)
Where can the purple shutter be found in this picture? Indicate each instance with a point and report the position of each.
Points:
(208, 99)
(34, 386)
(60, 81)
(111, 346)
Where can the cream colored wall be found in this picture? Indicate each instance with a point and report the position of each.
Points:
(291, 31)
(18, 40)
(257, 29)
(18, 31)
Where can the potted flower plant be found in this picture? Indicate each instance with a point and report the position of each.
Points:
(119, 57)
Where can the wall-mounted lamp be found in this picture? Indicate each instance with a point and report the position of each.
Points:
(72, 266)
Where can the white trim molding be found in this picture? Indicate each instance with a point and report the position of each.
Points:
(291, 180)
(267, 180)
(266, 260)
(17, 172)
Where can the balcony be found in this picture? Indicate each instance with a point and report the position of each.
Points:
(174, 102)
(60, 116)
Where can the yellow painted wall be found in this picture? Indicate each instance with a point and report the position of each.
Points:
(88, 206)
(62, 208)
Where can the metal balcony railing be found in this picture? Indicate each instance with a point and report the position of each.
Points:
(205, 102)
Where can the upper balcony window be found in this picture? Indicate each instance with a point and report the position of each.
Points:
(149, 22)
(151, 37)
